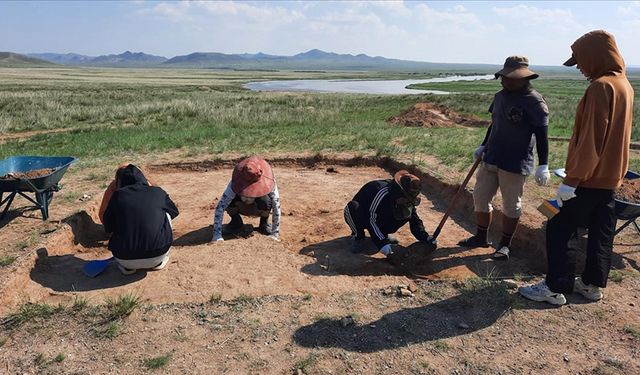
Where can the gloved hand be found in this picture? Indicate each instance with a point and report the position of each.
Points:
(432, 241)
(542, 175)
(565, 192)
(478, 152)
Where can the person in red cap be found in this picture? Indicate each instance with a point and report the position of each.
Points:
(382, 207)
(519, 120)
(252, 192)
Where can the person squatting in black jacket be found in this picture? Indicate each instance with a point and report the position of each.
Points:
(139, 218)
(382, 207)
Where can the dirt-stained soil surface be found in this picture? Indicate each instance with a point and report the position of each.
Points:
(305, 304)
(429, 115)
(629, 191)
(29, 174)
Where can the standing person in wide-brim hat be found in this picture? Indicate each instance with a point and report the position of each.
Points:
(382, 207)
(518, 113)
(252, 192)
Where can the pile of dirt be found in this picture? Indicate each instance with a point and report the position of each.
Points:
(428, 115)
(629, 191)
(29, 174)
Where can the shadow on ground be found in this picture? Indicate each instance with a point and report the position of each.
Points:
(203, 236)
(86, 232)
(459, 315)
(334, 257)
(63, 273)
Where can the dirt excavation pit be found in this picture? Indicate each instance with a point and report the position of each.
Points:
(429, 115)
(313, 257)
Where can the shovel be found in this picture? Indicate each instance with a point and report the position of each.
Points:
(436, 233)
(95, 267)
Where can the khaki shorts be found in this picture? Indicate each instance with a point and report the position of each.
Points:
(488, 180)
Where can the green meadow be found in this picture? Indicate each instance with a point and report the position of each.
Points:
(113, 113)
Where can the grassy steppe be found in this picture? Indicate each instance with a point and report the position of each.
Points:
(116, 112)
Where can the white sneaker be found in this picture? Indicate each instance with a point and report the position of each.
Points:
(125, 271)
(590, 292)
(540, 292)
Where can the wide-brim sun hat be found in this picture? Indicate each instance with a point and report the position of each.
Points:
(516, 67)
(252, 177)
(410, 184)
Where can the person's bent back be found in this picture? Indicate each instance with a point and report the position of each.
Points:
(139, 218)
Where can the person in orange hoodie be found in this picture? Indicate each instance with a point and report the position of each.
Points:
(597, 161)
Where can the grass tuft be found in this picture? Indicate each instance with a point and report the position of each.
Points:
(307, 362)
(7, 260)
(122, 306)
(157, 362)
(30, 312)
(79, 303)
(59, 358)
(633, 330)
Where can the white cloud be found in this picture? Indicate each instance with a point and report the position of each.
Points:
(631, 10)
(394, 6)
(525, 15)
(457, 21)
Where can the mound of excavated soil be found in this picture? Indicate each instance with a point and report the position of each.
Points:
(428, 115)
(29, 174)
(629, 191)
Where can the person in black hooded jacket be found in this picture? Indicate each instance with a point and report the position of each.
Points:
(138, 216)
(382, 207)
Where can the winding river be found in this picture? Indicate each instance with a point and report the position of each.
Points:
(388, 87)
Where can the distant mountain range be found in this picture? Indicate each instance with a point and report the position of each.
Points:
(314, 59)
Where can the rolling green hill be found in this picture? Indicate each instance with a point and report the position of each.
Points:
(16, 60)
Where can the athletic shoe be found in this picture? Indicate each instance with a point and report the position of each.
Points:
(125, 271)
(357, 245)
(502, 253)
(393, 240)
(161, 265)
(265, 227)
(590, 292)
(540, 292)
(474, 241)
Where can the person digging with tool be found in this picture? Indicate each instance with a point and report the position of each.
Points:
(597, 161)
(252, 192)
(138, 216)
(520, 118)
(382, 207)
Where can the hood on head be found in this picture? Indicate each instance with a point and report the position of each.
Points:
(130, 175)
(597, 54)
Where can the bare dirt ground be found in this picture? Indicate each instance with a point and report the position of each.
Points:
(303, 305)
(429, 115)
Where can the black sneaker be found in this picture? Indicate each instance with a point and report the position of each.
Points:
(265, 227)
(235, 226)
(474, 241)
(393, 240)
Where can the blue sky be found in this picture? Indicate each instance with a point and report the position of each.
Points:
(441, 31)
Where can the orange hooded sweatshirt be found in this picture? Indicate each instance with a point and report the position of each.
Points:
(598, 154)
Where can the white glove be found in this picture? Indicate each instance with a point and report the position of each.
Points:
(217, 240)
(477, 154)
(274, 237)
(542, 175)
(565, 192)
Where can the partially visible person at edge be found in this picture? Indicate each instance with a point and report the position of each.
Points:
(382, 207)
(597, 161)
(252, 192)
(520, 118)
(138, 216)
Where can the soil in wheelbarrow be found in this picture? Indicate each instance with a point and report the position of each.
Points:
(35, 173)
(629, 191)
(313, 257)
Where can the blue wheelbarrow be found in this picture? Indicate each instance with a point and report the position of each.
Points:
(42, 186)
(627, 211)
